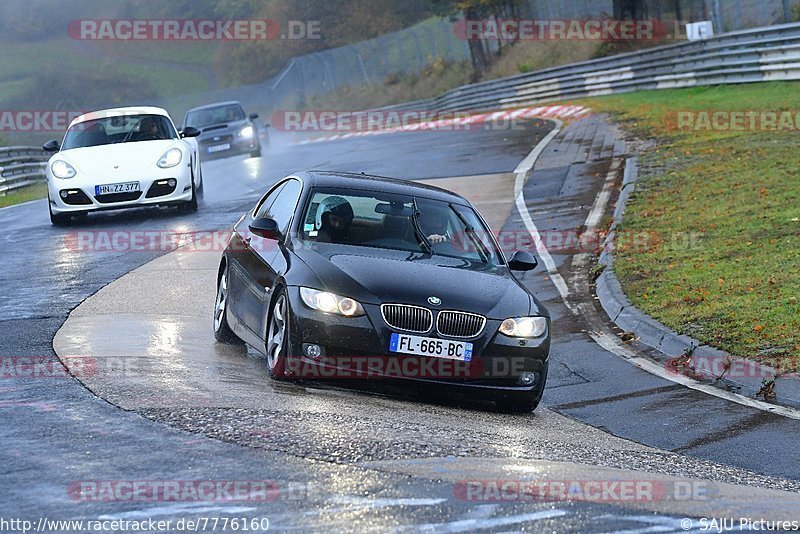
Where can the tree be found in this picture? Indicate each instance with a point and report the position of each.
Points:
(479, 10)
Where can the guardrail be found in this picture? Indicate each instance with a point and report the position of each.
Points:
(21, 166)
(761, 54)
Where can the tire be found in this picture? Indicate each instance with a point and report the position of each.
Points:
(524, 401)
(256, 153)
(222, 330)
(57, 219)
(278, 340)
(189, 206)
(201, 188)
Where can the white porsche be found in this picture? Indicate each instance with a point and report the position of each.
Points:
(122, 158)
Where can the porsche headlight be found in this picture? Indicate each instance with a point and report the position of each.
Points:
(171, 157)
(62, 169)
(330, 303)
(524, 327)
(247, 131)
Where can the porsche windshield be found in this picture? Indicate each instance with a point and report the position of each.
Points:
(414, 224)
(119, 129)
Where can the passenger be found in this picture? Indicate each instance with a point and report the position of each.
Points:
(334, 218)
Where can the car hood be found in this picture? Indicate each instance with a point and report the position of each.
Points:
(117, 157)
(230, 128)
(380, 276)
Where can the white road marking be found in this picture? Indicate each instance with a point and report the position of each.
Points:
(469, 525)
(176, 509)
(519, 182)
(609, 342)
(22, 204)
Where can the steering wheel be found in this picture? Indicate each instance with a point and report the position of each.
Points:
(148, 136)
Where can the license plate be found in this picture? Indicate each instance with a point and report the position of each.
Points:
(127, 187)
(219, 148)
(429, 346)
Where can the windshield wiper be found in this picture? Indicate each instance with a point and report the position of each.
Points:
(473, 235)
(421, 237)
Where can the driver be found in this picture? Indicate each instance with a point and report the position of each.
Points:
(434, 224)
(148, 129)
(333, 221)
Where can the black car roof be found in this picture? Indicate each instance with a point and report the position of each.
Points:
(370, 182)
(216, 105)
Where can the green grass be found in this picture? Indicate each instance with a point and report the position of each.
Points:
(24, 194)
(722, 210)
(20, 61)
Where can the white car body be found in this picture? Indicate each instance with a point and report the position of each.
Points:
(122, 163)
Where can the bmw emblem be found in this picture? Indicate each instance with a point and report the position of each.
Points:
(434, 301)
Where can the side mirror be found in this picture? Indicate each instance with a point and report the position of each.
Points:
(522, 260)
(51, 146)
(265, 227)
(253, 116)
(190, 131)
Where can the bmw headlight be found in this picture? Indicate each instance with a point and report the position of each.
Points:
(330, 303)
(171, 157)
(524, 326)
(62, 169)
(247, 131)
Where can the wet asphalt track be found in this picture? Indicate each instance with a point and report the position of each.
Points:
(54, 431)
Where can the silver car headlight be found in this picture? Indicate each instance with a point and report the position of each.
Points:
(62, 169)
(171, 157)
(247, 131)
(524, 326)
(330, 303)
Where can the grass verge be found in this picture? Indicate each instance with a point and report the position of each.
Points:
(710, 244)
(24, 194)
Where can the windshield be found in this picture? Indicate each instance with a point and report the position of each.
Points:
(119, 129)
(218, 115)
(399, 222)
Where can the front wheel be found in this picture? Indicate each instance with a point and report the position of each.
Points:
(523, 402)
(256, 153)
(57, 219)
(191, 205)
(278, 342)
(222, 330)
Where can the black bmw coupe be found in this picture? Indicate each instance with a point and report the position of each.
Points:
(336, 275)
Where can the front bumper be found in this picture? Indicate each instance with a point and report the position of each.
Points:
(77, 195)
(358, 347)
(236, 145)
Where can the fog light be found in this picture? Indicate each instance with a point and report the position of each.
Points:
(171, 182)
(527, 378)
(313, 351)
(63, 194)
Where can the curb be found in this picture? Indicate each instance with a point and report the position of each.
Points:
(702, 362)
